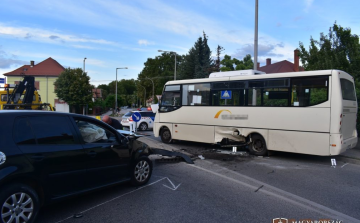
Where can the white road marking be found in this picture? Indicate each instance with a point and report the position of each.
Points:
(173, 186)
(114, 199)
(283, 195)
(344, 165)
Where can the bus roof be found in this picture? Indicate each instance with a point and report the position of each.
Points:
(255, 77)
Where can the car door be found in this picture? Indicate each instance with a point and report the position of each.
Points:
(56, 155)
(108, 155)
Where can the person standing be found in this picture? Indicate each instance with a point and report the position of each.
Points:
(112, 122)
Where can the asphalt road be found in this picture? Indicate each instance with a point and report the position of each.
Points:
(223, 188)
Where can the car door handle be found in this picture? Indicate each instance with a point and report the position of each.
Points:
(38, 157)
(92, 153)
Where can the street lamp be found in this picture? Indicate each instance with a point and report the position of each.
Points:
(84, 64)
(175, 60)
(116, 105)
(84, 73)
(144, 94)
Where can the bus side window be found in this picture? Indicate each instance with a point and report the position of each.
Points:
(196, 94)
(309, 91)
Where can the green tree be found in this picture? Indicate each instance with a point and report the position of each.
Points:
(198, 62)
(245, 64)
(125, 90)
(110, 101)
(216, 67)
(160, 70)
(73, 87)
(229, 64)
(339, 49)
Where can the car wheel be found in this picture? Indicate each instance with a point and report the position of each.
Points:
(143, 126)
(165, 136)
(141, 171)
(258, 146)
(19, 203)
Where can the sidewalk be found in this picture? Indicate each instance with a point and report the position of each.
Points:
(352, 155)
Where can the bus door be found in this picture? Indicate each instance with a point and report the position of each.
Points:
(348, 121)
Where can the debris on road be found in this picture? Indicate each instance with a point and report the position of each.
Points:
(259, 188)
(77, 216)
(201, 157)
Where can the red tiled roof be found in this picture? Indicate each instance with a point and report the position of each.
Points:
(48, 67)
(279, 67)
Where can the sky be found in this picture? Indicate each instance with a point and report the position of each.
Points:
(114, 33)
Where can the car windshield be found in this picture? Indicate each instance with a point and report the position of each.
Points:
(128, 114)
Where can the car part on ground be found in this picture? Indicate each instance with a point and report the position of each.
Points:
(171, 154)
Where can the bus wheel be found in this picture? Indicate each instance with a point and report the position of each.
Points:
(258, 146)
(165, 136)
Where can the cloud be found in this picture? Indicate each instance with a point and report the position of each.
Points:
(46, 36)
(7, 62)
(54, 37)
(28, 36)
(145, 42)
(297, 18)
(308, 4)
(263, 50)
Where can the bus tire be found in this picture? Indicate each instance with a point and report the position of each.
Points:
(258, 145)
(165, 136)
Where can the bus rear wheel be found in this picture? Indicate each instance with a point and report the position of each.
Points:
(165, 136)
(258, 146)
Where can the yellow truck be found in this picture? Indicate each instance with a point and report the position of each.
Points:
(23, 96)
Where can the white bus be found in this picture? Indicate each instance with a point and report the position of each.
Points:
(310, 112)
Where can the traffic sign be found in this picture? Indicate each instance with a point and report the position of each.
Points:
(136, 116)
(2, 80)
(226, 94)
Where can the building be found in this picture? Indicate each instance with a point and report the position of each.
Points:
(45, 73)
(282, 66)
(97, 94)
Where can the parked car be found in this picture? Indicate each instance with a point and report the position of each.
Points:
(48, 156)
(146, 122)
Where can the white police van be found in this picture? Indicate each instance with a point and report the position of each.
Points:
(146, 122)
